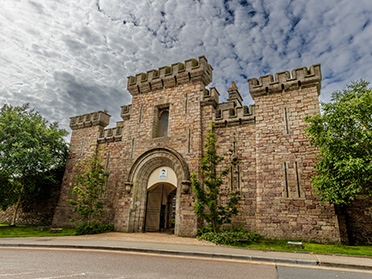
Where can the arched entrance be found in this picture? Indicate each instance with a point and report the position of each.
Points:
(161, 208)
(146, 179)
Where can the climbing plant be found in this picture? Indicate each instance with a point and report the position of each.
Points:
(208, 205)
(89, 187)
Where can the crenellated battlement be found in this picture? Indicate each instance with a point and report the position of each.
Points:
(228, 115)
(301, 78)
(125, 112)
(170, 76)
(209, 97)
(111, 134)
(99, 118)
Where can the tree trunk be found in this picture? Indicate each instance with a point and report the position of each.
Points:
(13, 222)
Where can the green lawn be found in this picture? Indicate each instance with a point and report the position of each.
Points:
(27, 231)
(309, 247)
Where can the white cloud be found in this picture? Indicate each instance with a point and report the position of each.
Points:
(72, 57)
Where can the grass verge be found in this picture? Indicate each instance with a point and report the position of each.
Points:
(29, 231)
(310, 247)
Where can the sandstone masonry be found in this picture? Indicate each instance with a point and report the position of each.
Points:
(152, 151)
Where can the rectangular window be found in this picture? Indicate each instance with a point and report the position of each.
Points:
(161, 119)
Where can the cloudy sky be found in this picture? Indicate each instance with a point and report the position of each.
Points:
(72, 57)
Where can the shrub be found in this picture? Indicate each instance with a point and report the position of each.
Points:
(93, 228)
(202, 231)
(231, 237)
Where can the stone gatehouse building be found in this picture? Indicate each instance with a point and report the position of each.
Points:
(152, 151)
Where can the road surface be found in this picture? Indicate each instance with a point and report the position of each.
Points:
(71, 263)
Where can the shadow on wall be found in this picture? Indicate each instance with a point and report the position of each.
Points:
(358, 219)
(36, 210)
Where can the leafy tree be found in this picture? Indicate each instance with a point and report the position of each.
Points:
(90, 180)
(29, 146)
(343, 135)
(208, 206)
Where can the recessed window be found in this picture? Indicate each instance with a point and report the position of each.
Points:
(161, 120)
(163, 123)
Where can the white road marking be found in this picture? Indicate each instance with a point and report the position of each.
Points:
(15, 274)
(63, 276)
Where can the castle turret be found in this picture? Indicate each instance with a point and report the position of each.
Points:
(234, 95)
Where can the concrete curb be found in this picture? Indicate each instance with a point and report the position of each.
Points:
(170, 252)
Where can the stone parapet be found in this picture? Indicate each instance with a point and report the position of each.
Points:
(209, 97)
(99, 118)
(170, 76)
(301, 78)
(125, 112)
(111, 134)
(227, 115)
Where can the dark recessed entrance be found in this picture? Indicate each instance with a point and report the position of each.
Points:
(160, 208)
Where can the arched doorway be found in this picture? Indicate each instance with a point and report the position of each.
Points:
(161, 208)
(145, 178)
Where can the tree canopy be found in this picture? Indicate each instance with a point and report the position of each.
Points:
(29, 147)
(343, 134)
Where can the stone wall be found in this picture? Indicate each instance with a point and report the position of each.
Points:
(40, 213)
(286, 205)
(264, 144)
(358, 218)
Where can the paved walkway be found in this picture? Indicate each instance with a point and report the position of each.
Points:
(170, 244)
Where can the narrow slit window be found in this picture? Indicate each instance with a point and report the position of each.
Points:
(186, 102)
(188, 141)
(132, 148)
(297, 181)
(102, 193)
(286, 124)
(82, 146)
(286, 188)
(140, 114)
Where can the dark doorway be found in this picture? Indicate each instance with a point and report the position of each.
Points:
(160, 208)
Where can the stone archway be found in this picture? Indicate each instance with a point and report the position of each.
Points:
(139, 176)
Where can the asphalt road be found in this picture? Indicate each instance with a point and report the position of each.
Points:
(62, 263)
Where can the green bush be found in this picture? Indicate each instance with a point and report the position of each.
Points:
(231, 237)
(93, 228)
(202, 231)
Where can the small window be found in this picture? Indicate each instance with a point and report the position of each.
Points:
(161, 119)
(163, 122)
